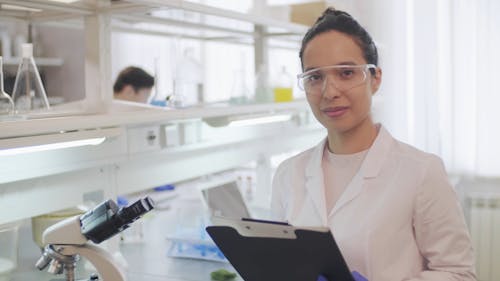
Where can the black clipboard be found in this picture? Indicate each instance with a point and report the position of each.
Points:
(270, 251)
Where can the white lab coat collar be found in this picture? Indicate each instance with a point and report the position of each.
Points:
(370, 168)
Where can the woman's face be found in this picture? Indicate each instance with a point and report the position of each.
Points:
(339, 110)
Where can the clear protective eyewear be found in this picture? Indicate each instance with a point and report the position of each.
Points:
(344, 77)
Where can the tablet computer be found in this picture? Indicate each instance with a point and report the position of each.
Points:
(225, 200)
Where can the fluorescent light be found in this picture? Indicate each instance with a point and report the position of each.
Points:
(64, 1)
(59, 140)
(260, 120)
(246, 120)
(51, 146)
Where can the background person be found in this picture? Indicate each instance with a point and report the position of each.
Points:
(133, 84)
(390, 207)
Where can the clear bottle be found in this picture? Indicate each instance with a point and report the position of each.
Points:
(188, 81)
(240, 93)
(239, 89)
(159, 98)
(29, 93)
(283, 87)
(6, 103)
(263, 92)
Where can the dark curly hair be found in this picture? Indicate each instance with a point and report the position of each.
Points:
(333, 19)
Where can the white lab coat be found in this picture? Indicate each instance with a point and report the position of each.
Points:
(398, 219)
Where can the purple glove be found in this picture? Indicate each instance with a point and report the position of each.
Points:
(358, 277)
(355, 274)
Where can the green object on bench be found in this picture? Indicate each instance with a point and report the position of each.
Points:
(222, 275)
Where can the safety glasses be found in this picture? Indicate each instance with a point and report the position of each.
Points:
(343, 77)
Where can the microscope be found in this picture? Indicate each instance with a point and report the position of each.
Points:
(67, 240)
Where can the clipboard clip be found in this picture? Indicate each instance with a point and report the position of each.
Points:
(262, 228)
(257, 228)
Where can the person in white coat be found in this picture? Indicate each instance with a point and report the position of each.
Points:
(390, 207)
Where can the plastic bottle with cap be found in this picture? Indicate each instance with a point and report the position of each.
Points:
(283, 87)
(29, 92)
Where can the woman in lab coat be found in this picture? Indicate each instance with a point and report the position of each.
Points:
(390, 207)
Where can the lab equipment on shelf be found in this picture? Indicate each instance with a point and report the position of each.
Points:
(283, 87)
(240, 93)
(263, 91)
(6, 103)
(188, 82)
(239, 89)
(29, 92)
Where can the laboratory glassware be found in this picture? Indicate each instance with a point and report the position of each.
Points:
(6, 103)
(188, 82)
(240, 93)
(29, 93)
(263, 92)
(283, 88)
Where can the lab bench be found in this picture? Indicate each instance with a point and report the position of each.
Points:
(147, 261)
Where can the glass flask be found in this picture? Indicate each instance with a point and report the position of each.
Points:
(29, 93)
(6, 103)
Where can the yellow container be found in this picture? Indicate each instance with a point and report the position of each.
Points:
(283, 94)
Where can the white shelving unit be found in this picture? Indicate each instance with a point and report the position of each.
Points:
(126, 114)
(14, 61)
(138, 154)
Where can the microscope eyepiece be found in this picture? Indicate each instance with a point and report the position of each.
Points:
(133, 212)
(106, 220)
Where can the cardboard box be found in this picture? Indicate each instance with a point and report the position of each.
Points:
(307, 13)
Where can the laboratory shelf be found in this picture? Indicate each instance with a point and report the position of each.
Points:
(41, 61)
(214, 11)
(123, 114)
(45, 10)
